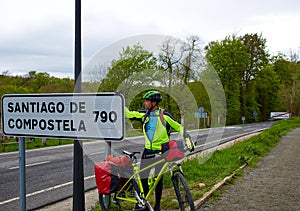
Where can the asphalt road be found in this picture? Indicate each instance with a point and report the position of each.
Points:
(49, 171)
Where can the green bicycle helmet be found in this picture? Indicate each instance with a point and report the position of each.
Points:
(154, 96)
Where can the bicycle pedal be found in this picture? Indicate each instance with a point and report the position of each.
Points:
(140, 207)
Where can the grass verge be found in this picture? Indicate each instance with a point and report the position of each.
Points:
(223, 163)
(33, 143)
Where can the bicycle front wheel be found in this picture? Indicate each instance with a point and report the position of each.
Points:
(182, 191)
(104, 201)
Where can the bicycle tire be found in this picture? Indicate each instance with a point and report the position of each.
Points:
(182, 191)
(104, 201)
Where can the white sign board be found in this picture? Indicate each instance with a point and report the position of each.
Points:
(280, 115)
(73, 116)
(201, 115)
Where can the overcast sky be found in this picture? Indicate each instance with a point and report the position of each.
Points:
(39, 34)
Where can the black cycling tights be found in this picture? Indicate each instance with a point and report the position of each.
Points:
(146, 160)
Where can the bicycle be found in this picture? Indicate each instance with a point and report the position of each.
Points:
(132, 190)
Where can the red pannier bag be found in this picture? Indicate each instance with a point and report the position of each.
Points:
(122, 162)
(108, 173)
(173, 150)
(107, 177)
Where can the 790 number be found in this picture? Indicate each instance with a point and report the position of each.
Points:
(104, 116)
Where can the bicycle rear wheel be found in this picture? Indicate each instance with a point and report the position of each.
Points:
(182, 191)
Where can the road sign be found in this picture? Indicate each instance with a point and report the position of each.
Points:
(243, 119)
(82, 116)
(201, 109)
(280, 115)
(201, 115)
(254, 113)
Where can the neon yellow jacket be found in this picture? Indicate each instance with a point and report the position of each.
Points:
(161, 134)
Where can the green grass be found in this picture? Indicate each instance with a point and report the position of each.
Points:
(223, 163)
(35, 143)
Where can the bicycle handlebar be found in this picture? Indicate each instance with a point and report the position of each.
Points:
(133, 157)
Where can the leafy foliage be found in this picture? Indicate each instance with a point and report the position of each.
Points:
(251, 80)
(229, 57)
(34, 82)
(131, 60)
(267, 86)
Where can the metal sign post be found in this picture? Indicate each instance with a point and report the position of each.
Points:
(201, 115)
(22, 174)
(255, 115)
(201, 110)
(78, 172)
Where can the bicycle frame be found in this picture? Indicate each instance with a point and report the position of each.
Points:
(136, 176)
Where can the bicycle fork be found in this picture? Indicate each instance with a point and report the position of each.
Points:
(138, 191)
(179, 167)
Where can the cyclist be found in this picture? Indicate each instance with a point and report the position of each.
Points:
(156, 128)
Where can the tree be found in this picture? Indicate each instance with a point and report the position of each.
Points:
(178, 60)
(288, 70)
(131, 60)
(13, 89)
(92, 80)
(229, 58)
(258, 58)
(192, 56)
(256, 47)
(169, 59)
(267, 89)
(36, 80)
(58, 85)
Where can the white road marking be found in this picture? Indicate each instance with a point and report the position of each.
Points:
(32, 164)
(96, 153)
(44, 190)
